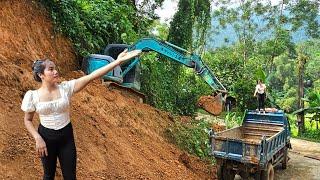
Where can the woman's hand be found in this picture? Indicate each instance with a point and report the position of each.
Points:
(41, 147)
(125, 55)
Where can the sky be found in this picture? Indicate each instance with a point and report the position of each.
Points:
(169, 7)
(166, 12)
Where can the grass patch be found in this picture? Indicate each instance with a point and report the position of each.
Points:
(192, 137)
(311, 132)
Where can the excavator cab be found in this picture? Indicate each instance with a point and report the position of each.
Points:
(127, 76)
(96, 61)
(129, 84)
(132, 77)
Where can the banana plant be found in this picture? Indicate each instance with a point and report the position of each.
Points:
(313, 98)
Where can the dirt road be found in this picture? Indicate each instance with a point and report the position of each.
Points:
(304, 162)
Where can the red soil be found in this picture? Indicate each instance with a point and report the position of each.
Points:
(212, 104)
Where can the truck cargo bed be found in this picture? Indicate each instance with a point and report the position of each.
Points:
(250, 132)
(260, 139)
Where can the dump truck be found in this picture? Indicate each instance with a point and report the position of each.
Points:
(253, 149)
(128, 75)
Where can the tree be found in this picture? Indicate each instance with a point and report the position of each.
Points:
(187, 30)
(302, 58)
(250, 20)
(92, 24)
(306, 55)
(283, 82)
(305, 14)
(243, 16)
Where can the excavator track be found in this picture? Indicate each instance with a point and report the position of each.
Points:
(126, 91)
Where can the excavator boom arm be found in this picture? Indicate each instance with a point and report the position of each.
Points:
(179, 55)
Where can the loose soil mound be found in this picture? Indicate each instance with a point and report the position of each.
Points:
(117, 137)
(212, 104)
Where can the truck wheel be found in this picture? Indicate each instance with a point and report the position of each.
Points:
(257, 175)
(268, 174)
(225, 174)
(220, 172)
(285, 159)
(230, 174)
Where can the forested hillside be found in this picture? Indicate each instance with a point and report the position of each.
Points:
(276, 58)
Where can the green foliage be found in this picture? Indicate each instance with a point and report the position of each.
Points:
(278, 44)
(243, 19)
(192, 137)
(313, 98)
(283, 82)
(190, 24)
(254, 60)
(311, 48)
(288, 104)
(159, 30)
(92, 24)
(180, 32)
(169, 85)
(260, 74)
(157, 72)
(293, 124)
(233, 119)
(284, 79)
(304, 13)
(235, 74)
(311, 133)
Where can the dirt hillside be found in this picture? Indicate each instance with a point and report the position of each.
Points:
(116, 136)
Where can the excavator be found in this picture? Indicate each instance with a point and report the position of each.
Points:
(128, 75)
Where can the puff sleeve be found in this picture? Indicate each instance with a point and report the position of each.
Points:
(68, 87)
(27, 104)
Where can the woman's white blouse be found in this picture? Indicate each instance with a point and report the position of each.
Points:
(53, 114)
(260, 88)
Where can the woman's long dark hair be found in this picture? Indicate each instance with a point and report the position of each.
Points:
(38, 68)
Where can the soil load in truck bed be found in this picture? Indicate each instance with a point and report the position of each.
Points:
(251, 132)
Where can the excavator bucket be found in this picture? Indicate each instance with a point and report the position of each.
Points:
(212, 104)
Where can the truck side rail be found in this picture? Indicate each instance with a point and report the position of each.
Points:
(271, 146)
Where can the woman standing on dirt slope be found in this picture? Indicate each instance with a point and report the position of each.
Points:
(54, 138)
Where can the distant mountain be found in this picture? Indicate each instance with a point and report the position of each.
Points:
(227, 36)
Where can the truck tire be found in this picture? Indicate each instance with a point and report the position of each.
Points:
(243, 174)
(268, 174)
(230, 174)
(257, 175)
(285, 159)
(225, 174)
(220, 172)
